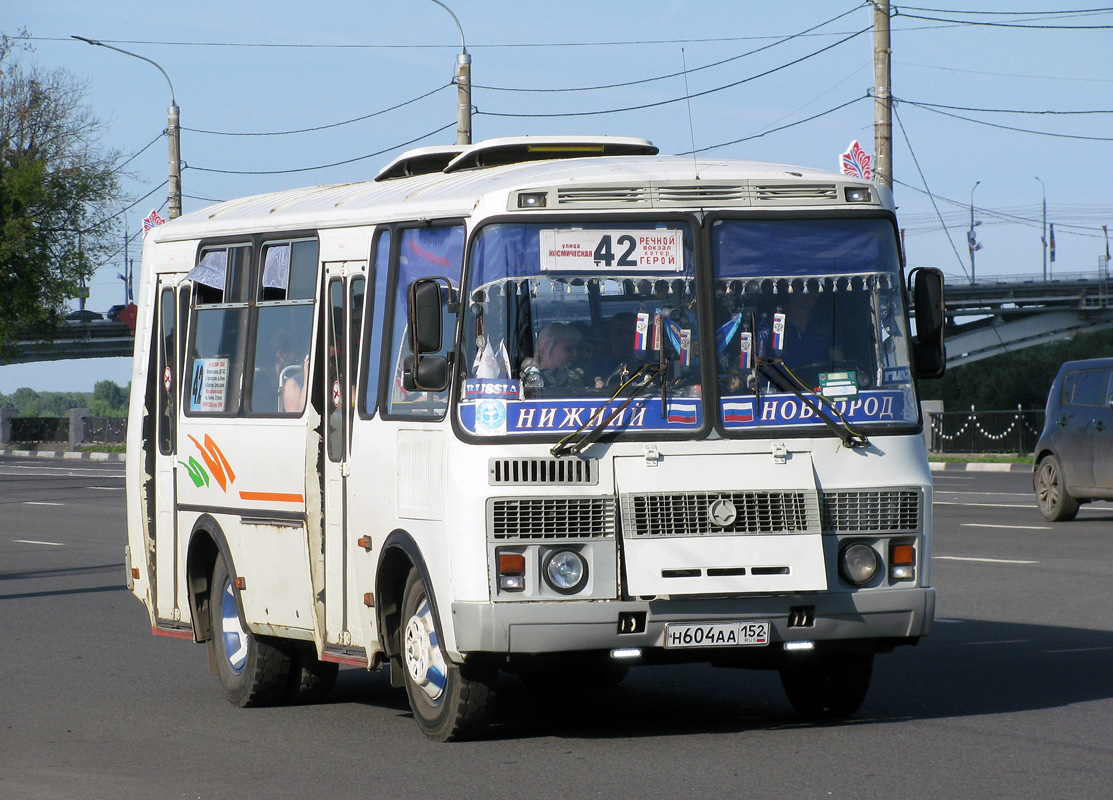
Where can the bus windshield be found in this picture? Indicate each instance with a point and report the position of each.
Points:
(813, 304)
(572, 324)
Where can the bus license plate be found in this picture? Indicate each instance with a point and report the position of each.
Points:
(717, 634)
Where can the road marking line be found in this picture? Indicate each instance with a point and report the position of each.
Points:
(1078, 650)
(40, 503)
(32, 541)
(1010, 527)
(106, 488)
(983, 560)
(983, 494)
(1002, 641)
(1031, 505)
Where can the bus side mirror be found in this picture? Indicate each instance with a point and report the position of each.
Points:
(929, 353)
(429, 299)
(425, 316)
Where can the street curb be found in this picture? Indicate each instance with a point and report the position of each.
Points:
(87, 456)
(977, 466)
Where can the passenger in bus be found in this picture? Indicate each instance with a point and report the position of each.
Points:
(289, 383)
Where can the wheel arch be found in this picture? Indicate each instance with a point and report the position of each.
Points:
(398, 556)
(207, 543)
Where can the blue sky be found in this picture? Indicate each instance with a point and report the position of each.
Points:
(277, 66)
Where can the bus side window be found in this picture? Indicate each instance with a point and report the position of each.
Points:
(422, 253)
(376, 305)
(214, 374)
(168, 371)
(284, 327)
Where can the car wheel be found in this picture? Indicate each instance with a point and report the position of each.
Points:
(449, 701)
(1055, 503)
(254, 670)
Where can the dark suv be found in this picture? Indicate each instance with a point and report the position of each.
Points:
(1074, 454)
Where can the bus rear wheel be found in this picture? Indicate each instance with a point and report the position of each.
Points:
(450, 702)
(827, 685)
(254, 670)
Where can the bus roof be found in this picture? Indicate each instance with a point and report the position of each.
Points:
(570, 179)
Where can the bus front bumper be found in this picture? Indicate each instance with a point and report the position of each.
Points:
(893, 615)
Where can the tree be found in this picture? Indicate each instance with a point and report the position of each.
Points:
(58, 192)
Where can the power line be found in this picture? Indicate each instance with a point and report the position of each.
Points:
(1054, 12)
(1009, 110)
(1007, 24)
(673, 74)
(777, 130)
(677, 99)
(330, 125)
(323, 166)
(1013, 128)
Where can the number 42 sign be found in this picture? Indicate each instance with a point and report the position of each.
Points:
(586, 251)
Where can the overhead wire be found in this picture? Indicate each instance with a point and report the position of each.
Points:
(676, 99)
(934, 110)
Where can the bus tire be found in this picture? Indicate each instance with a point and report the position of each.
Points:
(1056, 504)
(450, 702)
(827, 685)
(254, 670)
(311, 680)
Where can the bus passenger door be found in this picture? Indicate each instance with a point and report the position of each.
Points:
(168, 334)
(344, 290)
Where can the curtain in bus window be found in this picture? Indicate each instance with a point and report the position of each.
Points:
(276, 268)
(211, 269)
(743, 248)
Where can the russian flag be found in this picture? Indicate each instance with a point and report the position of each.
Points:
(683, 413)
(738, 412)
(641, 331)
(778, 331)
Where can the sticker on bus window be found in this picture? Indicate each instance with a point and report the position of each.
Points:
(582, 250)
(209, 385)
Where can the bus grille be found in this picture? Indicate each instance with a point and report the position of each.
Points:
(689, 514)
(551, 518)
(880, 510)
(543, 472)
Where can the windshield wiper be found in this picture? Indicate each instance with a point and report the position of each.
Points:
(581, 438)
(778, 373)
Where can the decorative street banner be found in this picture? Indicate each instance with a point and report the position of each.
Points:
(856, 162)
(151, 220)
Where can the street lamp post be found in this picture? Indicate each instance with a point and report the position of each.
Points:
(463, 84)
(971, 238)
(1043, 230)
(174, 184)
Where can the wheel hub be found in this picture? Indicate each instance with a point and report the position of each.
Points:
(422, 653)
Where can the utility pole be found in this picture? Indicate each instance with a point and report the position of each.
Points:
(463, 84)
(174, 182)
(972, 238)
(1043, 229)
(882, 95)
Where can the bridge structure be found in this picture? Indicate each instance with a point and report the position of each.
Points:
(95, 339)
(994, 315)
(1001, 314)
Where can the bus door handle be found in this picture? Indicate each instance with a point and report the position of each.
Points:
(1099, 426)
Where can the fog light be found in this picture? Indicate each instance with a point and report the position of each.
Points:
(627, 652)
(858, 563)
(565, 571)
(799, 646)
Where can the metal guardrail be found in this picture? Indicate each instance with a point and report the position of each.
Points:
(60, 430)
(985, 431)
(40, 430)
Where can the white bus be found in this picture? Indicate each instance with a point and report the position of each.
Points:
(553, 407)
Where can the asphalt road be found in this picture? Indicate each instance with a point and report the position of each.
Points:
(1011, 696)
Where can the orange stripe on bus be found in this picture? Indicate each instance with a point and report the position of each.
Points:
(278, 497)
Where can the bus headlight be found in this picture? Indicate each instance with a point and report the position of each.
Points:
(858, 563)
(565, 571)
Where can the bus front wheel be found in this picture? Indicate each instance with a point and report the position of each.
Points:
(827, 685)
(254, 670)
(449, 701)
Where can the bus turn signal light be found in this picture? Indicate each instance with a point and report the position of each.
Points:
(902, 562)
(512, 572)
